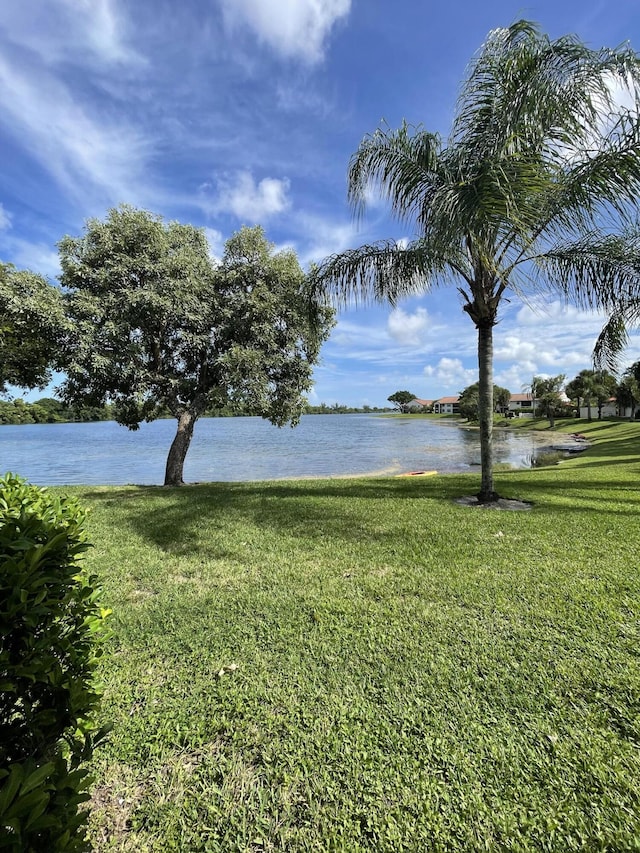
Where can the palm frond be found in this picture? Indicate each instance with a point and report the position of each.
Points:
(403, 165)
(597, 272)
(526, 93)
(610, 343)
(381, 272)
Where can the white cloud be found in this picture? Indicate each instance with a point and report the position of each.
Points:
(295, 29)
(408, 329)
(526, 353)
(451, 373)
(5, 218)
(216, 242)
(250, 201)
(538, 312)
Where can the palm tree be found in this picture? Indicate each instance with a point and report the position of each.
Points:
(547, 392)
(538, 158)
(628, 393)
(583, 385)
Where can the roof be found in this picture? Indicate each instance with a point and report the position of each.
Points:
(422, 402)
(520, 398)
(448, 400)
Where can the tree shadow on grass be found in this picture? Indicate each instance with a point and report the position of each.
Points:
(186, 520)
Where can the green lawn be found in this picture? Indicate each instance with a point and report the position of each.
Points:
(351, 665)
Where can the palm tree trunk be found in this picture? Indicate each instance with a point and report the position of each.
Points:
(485, 409)
(179, 448)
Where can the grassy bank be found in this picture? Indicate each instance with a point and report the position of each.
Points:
(351, 665)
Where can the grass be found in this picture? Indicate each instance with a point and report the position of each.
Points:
(363, 665)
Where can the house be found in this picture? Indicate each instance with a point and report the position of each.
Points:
(418, 405)
(520, 401)
(446, 406)
(610, 409)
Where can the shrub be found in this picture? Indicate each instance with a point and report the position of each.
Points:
(51, 631)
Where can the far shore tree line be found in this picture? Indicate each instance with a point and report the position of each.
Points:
(50, 410)
(536, 186)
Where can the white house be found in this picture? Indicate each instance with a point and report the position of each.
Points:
(446, 406)
(520, 401)
(609, 410)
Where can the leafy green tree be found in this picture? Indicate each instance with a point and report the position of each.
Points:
(158, 326)
(501, 399)
(469, 402)
(518, 193)
(575, 392)
(547, 394)
(605, 385)
(634, 370)
(628, 393)
(31, 327)
(401, 399)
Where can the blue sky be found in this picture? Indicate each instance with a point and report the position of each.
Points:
(231, 112)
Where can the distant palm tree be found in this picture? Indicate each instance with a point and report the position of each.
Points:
(628, 393)
(547, 392)
(584, 385)
(539, 156)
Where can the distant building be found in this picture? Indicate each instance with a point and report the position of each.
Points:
(446, 406)
(610, 409)
(520, 401)
(418, 405)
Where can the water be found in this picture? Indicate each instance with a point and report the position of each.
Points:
(232, 449)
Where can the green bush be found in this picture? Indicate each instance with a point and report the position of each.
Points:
(51, 631)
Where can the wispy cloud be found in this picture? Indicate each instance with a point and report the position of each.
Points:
(5, 218)
(85, 154)
(36, 256)
(70, 31)
(295, 29)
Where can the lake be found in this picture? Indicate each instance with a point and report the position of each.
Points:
(234, 449)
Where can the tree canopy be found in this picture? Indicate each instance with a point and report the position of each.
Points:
(536, 187)
(547, 394)
(469, 400)
(628, 393)
(158, 326)
(592, 386)
(31, 328)
(401, 399)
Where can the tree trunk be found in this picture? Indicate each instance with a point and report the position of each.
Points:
(589, 418)
(178, 450)
(485, 409)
